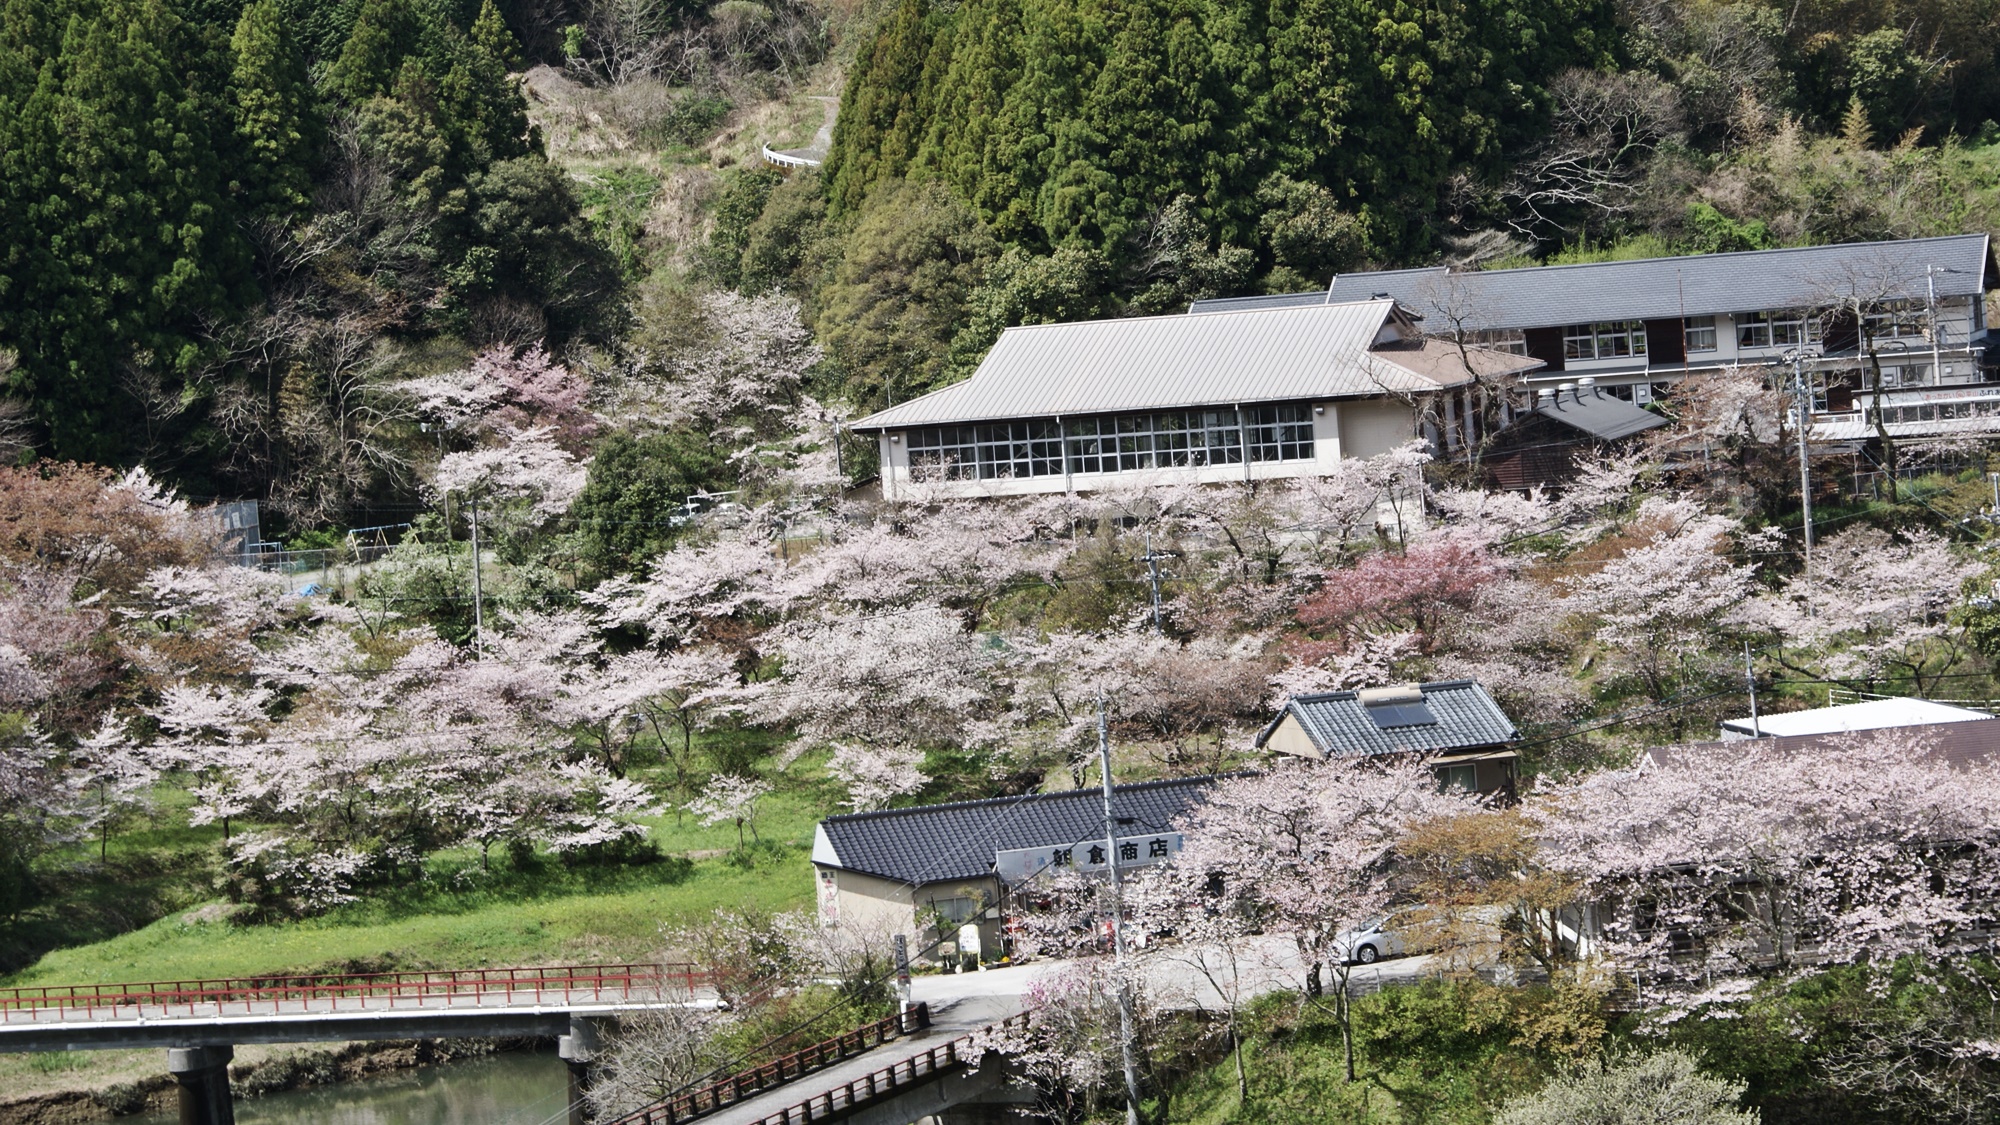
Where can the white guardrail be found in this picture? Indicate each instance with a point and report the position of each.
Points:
(787, 160)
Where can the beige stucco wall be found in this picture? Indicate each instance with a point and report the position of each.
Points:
(1291, 738)
(872, 903)
(1369, 427)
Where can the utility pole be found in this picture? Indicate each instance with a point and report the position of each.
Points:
(1127, 1038)
(478, 599)
(1750, 682)
(1930, 306)
(1805, 466)
(1152, 560)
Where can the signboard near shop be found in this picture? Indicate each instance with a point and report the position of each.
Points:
(1017, 865)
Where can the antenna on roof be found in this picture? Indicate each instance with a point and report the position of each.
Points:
(1329, 289)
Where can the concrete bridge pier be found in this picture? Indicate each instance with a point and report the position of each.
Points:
(578, 1050)
(202, 1073)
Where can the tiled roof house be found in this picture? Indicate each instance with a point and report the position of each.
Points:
(1456, 721)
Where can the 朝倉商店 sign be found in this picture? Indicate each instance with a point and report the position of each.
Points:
(1017, 865)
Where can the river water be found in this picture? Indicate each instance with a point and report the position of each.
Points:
(513, 1088)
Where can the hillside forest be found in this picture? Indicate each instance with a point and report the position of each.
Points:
(233, 230)
(408, 272)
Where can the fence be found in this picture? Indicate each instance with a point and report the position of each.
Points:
(276, 995)
(890, 1080)
(1837, 695)
(790, 1068)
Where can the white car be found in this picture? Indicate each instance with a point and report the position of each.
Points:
(1369, 942)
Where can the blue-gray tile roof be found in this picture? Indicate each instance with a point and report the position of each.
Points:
(934, 843)
(1338, 724)
(1658, 288)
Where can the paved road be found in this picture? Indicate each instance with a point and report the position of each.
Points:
(1201, 976)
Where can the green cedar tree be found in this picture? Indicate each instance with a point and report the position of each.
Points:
(385, 34)
(115, 160)
(625, 513)
(277, 119)
(899, 293)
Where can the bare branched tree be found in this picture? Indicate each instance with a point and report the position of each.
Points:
(1847, 298)
(1605, 126)
(15, 419)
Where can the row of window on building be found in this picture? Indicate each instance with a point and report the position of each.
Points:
(1938, 411)
(1112, 443)
(1622, 339)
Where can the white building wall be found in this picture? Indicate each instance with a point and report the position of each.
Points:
(1377, 424)
(1958, 318)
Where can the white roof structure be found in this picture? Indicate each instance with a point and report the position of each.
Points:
(1875, 714)
(1362, 348)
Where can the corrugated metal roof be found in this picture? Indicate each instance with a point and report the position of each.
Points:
(1172, 362)
(1660, 288)
(1339, 725)
(1602, 416)
(936, 843)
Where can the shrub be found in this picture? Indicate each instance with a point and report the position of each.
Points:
(1664, 1087)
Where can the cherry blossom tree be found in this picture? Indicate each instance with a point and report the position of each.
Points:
(1411, 591)
(692, 588)
(730, 799)
(1663, 593)
(53, 650)
(1070, 1053)
(737, 373)
(116, 775)
(526, 465)
(1051, 686)
(1308, 850)
(1371, 660)
(1876, 606)
(907, 678)
(509, 388)
(874, 776)
(1723, 865)
(1666, 1086)
(42, 806)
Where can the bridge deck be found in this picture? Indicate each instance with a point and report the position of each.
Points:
(478, 1002)
(950, 1022)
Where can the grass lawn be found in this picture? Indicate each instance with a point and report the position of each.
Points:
(462, 914)
(546, 917)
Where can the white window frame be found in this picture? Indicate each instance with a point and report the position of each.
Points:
(1513, 340)
(1605, 339)
(1697, 328)
(1776, 328)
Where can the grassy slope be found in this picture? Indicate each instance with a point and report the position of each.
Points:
(461, 916)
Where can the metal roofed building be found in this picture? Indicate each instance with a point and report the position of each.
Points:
(1258, 394)
(1955, 743)
(1873, 714)
(1637, 326)
(1540, 447)
(952, 861)
(1456, 721)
